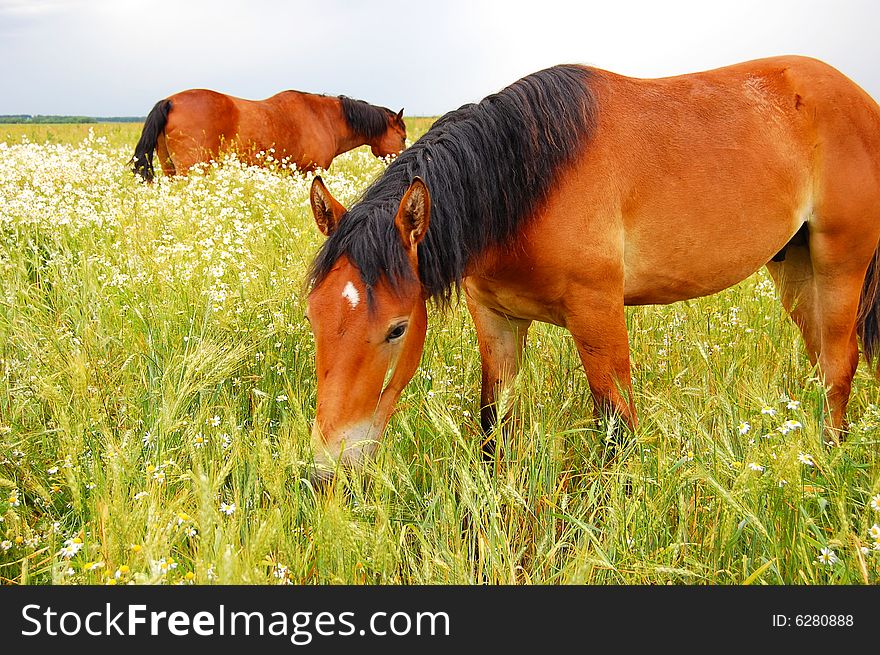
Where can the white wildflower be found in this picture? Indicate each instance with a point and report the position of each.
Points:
(827, 557)
(71, 547)
(806, 459)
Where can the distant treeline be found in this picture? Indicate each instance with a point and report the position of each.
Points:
(39, 118)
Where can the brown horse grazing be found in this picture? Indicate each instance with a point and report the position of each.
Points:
(197, 125)
(575, 192)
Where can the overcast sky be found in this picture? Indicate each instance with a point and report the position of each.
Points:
(118, 57)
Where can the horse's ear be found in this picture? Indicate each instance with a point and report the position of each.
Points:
(325, 207)
(414, 214)
(400, 114)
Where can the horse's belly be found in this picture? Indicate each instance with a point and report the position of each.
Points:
(668, 288)
(705, 258)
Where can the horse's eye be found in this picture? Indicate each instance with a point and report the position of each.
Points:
(395, 333)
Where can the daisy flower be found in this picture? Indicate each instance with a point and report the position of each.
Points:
(71, 547)
(164, 565)
(789, 426)
(827, 557)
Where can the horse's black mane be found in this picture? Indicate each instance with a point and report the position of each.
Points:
(368, 120)
(487, 166)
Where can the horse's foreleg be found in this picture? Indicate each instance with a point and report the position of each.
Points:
(599, 331)
(501, 340)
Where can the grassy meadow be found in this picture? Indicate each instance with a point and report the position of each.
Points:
(157, 390)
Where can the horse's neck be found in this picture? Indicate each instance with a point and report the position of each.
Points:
(346, 138)
(327, 110)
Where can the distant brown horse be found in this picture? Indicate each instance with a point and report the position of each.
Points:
(197, 125)
(575, 192)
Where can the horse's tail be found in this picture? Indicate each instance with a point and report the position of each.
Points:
(868, 324)
(142, 160)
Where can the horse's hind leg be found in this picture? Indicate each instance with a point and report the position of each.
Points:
(501, 340)
(794, 281)
(164, 156)
(185, 150)
(820, 283)
(844, 231)
(840, 261)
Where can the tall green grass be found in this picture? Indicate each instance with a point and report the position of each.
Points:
(157, 391)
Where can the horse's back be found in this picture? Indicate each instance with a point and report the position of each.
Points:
(689, 184)
(717, 171)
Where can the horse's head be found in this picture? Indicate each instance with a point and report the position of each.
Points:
(368, 340)
(393, 140)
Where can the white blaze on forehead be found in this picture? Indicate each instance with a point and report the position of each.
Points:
(351, 294)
